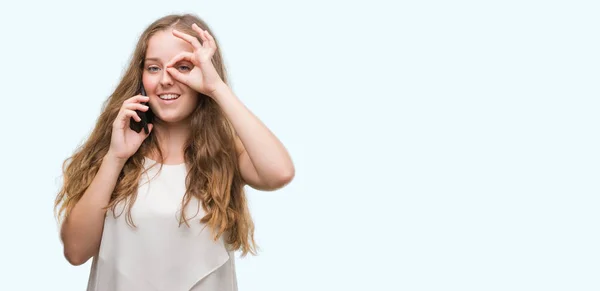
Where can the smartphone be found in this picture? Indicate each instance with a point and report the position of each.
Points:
(146, 117)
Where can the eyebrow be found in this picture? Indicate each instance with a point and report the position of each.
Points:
(152, 59)
(158, 60)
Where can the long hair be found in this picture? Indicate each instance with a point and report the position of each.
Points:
(210, 154)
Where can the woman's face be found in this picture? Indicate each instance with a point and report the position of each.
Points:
(170, 100)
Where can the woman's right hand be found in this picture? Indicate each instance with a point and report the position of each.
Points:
(124, 141)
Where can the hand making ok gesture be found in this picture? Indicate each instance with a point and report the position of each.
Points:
(203, 77)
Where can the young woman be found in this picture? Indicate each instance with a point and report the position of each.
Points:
(165, 209)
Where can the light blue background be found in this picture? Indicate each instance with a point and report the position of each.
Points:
(439, 145)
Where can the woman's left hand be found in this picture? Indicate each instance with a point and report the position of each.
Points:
(203, 77)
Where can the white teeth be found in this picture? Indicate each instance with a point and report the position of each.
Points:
(168, 96)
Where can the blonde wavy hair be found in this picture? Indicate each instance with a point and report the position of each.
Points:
(210, 154)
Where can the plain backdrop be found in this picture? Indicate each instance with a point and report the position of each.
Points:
(439, 145)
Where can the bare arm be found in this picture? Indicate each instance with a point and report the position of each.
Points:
(81, 232)
(265, 163)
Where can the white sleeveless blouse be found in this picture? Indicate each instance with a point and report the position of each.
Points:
(160, 255)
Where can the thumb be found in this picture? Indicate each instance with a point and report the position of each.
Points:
(150, 126)
(178, 75)
(142, 133)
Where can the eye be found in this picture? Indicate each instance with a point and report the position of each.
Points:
(153, 69)
(184, 68)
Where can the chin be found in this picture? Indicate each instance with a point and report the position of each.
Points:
(173, 119)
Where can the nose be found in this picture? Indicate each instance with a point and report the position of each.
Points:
(166, 79)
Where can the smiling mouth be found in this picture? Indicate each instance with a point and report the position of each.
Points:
(168, 96)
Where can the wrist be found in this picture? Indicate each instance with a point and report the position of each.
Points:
(113, 159)
(221, 90)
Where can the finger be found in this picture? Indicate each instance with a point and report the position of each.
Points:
(192, 40)
(211, 40)
(128, 113)
(183, 78)
(137, 99)
(136, 106)
(196, 28)
(150, 126)
(187, 56)
(202, 36)
(123, 118)
(200, 32)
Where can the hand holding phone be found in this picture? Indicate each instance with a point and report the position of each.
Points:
(124, 141)
(146, 117)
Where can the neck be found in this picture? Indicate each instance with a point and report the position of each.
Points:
(172, 138)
